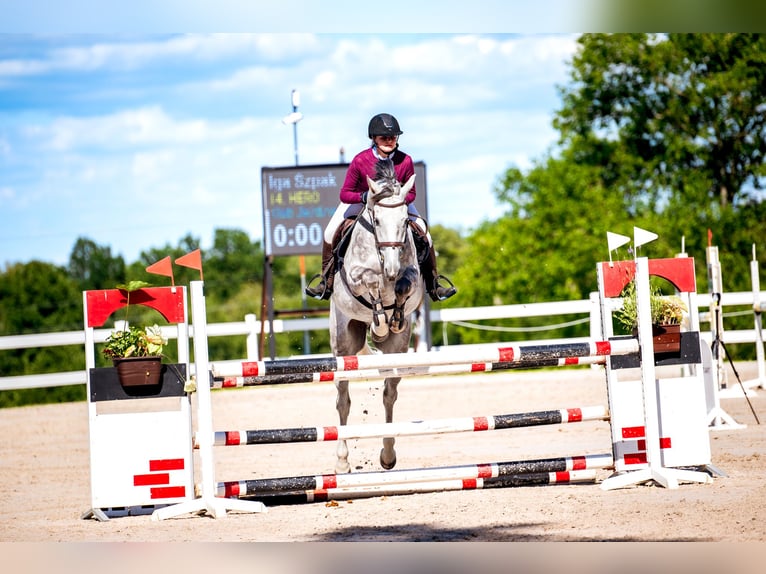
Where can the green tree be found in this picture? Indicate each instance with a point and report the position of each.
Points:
(39, 297)
(93, 267)
(450, 247)
(233, 261)
(670, 114)
(545, 247)
(660, 132)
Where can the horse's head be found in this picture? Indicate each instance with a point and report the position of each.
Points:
(385, 203)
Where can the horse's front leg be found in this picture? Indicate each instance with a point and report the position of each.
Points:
(390, 394)
(343, 405)
(379, 325)
(407, 281)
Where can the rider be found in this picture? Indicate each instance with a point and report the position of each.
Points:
(384, 132)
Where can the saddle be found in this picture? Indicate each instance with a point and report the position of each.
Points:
(341, 240)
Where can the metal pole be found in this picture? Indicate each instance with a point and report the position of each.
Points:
(295, 99)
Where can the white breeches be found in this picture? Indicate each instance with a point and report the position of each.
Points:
(340, 214)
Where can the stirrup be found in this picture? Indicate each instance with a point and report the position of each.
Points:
(320, 291)
(441, 293)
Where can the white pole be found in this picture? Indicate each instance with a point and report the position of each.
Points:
(716, 312)
(648, 374)
(216, 507)
(756, 284)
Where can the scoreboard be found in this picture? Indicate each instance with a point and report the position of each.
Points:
(298, 202)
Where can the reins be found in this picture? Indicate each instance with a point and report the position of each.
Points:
(367, 225)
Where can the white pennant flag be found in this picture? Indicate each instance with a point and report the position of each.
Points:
(642, 236)
(615, 240)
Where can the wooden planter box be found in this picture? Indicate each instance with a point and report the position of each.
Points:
(665, 338)
(139, 371)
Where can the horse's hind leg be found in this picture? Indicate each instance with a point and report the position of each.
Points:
(343, 404)
(390, 394)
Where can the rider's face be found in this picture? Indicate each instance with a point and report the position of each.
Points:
(386, 144)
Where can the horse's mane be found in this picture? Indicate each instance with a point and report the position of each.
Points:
(385, 176)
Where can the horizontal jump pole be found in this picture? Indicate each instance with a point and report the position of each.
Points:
(437, 426)
(532, 479)
(487, 471)
(520, 354)
(369, 374)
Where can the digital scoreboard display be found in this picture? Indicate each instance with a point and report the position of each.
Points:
(299, 201)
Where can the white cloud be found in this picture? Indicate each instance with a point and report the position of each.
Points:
(143, 127)
(149, 165)
(470, 107)
(7, 193)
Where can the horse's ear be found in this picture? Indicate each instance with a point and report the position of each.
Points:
(408, 186)
(374, 187)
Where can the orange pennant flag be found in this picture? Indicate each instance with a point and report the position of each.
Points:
(192, 260)
(162, 267)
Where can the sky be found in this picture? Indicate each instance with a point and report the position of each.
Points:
(136, 140)
(134, 125)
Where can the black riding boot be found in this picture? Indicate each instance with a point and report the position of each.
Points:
(431, 277)
(428, 268)
(323, 289)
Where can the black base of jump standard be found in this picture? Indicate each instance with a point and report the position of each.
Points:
(105, 385)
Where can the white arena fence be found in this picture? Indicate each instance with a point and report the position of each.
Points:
(464, 317)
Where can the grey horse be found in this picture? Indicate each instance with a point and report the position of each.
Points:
(378, 288)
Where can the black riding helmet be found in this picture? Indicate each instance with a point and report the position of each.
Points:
(383, 125)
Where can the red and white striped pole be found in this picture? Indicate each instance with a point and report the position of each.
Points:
(371, 374)
(520, 354)
(485, 472)
(437, 426)
(348, 493)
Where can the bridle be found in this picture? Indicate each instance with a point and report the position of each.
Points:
(377, 305)
(368, 226)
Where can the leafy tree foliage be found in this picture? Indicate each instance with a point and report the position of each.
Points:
(660, 132)
(545, 247)
(38, 297)
(450, 248)
(676, 114)
(93, 267)
(233, 261)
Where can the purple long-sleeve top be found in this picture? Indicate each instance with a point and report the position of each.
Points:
(363, 165)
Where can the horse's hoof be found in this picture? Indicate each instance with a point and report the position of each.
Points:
(378, 338)
(387, 465)
(342, 468)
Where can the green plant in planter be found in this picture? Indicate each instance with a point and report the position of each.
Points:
(134, 341)
(665, 309)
